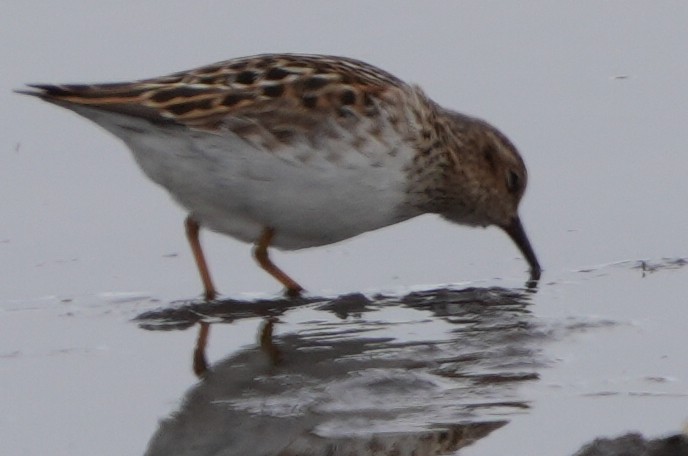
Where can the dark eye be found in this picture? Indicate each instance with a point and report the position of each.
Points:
(513, 182)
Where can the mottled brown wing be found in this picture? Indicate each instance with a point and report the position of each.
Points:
(271, 89)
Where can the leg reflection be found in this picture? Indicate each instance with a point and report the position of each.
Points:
(266, 342)
(265, 331)
(200, 362)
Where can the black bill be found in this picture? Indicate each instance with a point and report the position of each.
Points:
(518, 235)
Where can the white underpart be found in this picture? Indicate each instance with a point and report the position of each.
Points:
(313, 193)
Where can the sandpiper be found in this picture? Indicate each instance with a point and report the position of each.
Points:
(294, 151)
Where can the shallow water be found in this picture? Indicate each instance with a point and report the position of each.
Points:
(419, 336)
(350, 377)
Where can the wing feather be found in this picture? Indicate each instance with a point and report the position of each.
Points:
(269, 88)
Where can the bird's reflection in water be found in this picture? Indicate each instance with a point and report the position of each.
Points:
(439, 376)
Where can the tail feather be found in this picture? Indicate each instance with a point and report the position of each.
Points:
(120, 98)
(88, 94)
(154, 100)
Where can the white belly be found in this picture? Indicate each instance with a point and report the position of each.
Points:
(310, 196)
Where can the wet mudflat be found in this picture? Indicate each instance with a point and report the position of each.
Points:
(416, 337)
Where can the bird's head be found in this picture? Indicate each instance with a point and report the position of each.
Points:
(485, 181)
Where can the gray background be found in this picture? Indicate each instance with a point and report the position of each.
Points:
(593, 94)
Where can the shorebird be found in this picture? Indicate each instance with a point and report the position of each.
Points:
(294, 151)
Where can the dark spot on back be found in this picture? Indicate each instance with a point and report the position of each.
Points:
(273, 90)
(205, 104)
(368, 100)
(348, 97)
(234, 98)
(246, 77)
(315, 83)
(180, 109)
(211, 80)
(310, 101)
(276, 74)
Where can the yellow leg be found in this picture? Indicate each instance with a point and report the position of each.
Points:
(260, 252)
(192, 228)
